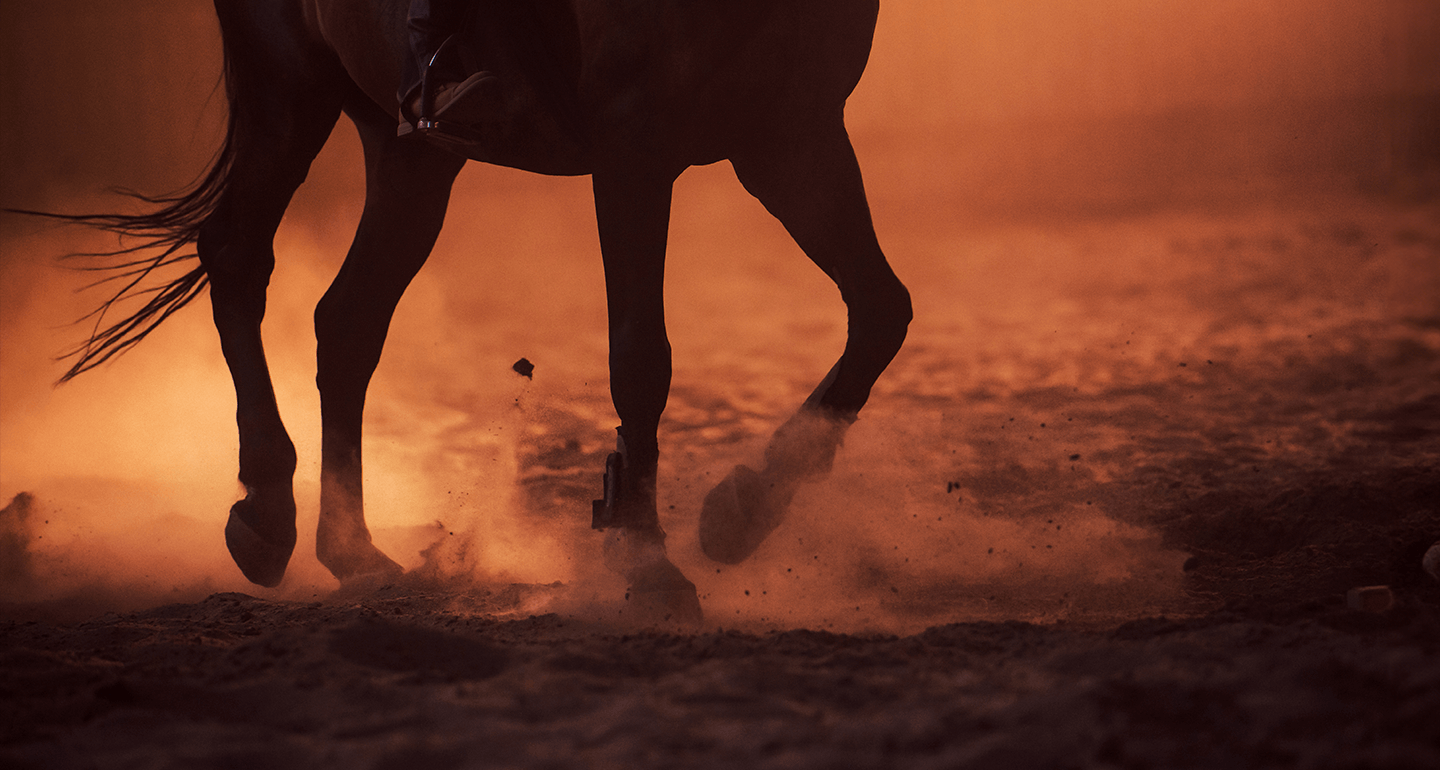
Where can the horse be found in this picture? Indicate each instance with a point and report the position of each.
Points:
(629, 92)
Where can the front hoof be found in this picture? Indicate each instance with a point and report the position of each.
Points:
(359, 562)
(659, 592)
(656, 590)
(738, 514)
(260, 558)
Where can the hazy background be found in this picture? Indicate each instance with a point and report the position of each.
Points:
(1006, 145)
(1045, 102)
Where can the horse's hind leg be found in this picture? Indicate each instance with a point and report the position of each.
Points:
(407, 190)
(284, 127)
(811, 183)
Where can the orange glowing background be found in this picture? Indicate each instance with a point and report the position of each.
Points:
(977, 117)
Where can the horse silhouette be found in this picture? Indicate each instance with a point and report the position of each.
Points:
(631, 92)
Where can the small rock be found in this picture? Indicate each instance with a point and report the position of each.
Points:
(1370, 598)
(1432, 561)
(524, 368)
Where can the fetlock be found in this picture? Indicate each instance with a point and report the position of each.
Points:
(628, 500)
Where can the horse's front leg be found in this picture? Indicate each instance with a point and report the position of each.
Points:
(406, 195)
(632, 210)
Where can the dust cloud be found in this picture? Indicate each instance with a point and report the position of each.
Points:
(1070, 189)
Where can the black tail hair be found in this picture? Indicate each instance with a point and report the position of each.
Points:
(171, 228)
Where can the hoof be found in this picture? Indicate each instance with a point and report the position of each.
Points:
(361, 563)
(366, 583)
(660, 593)
(739, 513)
(261, 560)
(657, 591)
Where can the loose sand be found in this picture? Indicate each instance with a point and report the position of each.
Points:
(1103, 512)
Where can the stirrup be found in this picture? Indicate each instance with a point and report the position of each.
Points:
(448, 134)
(424, 123)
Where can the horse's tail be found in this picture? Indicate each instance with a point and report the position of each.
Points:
(171, 228)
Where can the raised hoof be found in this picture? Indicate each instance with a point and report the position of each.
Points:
(261, 560)
(739, 513)
(660, 593)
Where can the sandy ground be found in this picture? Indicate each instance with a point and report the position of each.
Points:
(1103, 511)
